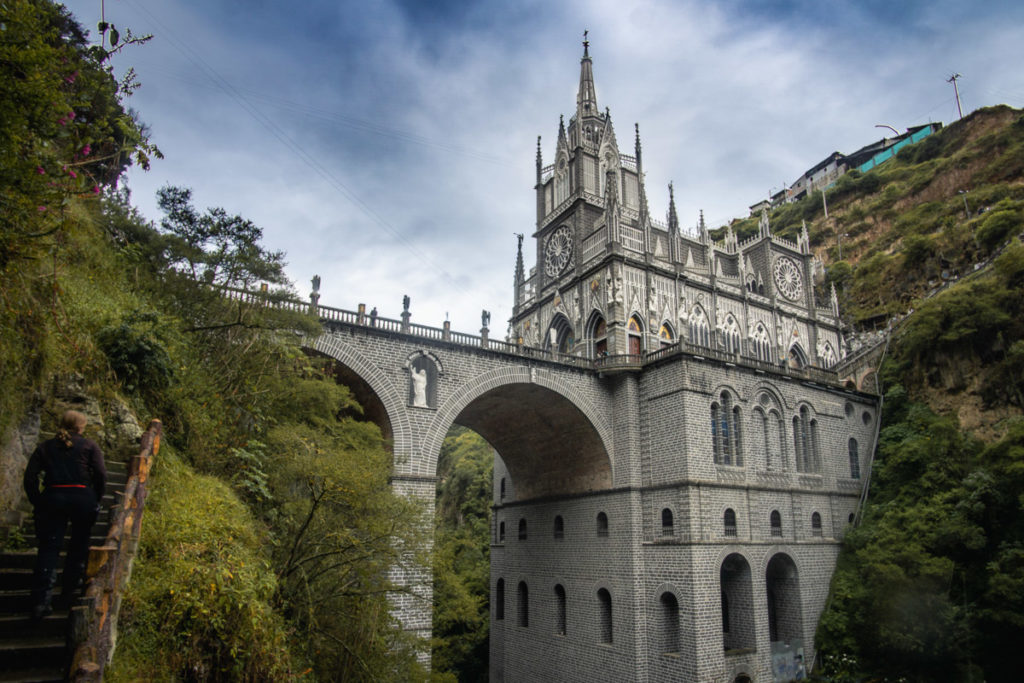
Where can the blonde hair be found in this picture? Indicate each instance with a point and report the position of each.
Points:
(71, 422)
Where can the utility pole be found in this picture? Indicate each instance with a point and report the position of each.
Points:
(956, 91)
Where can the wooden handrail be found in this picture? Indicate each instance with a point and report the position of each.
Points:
(93, 631)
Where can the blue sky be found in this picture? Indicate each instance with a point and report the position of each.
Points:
(389, 146)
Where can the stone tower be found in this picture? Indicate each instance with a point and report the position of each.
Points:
(698, 543)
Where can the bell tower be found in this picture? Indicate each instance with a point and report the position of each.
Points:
(571, 302)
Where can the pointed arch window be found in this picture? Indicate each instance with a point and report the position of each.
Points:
(828, 356)
(501, 532)
(762, 344)
(665, 334)
(598, 333)
(797, 357)
(815, 524)
(776, 523)
(700, 333)
(636, 340)
(731, 335)
(602, 524)
(805, 442)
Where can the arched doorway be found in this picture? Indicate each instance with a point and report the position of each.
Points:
(560, 337)
(636, 336)
(785, 621)
(597, 333)
(737, 604)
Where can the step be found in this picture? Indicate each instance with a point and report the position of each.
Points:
(25, 652)
(50, 674)
(21, 624)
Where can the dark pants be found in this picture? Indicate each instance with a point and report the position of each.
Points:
(55, 509)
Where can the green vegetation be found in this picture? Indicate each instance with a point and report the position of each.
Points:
(271, 525)
(461, 557)
(930, 587)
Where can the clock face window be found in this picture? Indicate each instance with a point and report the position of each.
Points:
(788, 278)
(558, 252)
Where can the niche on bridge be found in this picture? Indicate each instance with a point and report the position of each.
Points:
(424, 369)
(373, 407)
(548, 445)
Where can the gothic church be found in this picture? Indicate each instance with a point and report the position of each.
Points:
(704, 550)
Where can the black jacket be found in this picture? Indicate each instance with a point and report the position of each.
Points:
(81, 464)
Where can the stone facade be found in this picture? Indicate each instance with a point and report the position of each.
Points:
(677, 460)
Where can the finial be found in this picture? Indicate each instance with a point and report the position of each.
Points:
(671, 193)
(586, 44)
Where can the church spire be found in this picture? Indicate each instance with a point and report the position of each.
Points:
(586, 98)
(520, 273)
(673, 218)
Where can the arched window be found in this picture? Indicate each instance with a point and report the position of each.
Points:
(729, 522)
(501, 532)
(560, 336)
(604, 604)
(725, 431)
(828, 356)
(665, 334)
(815, 458)
(559, 527)
(597, 330)
(667, 526)
(523, 605)
(815, 524)
(503, 488)
(731, 335)
(602, 524)
(559, 610)
(797, 357)
(854, 460)
(636, 336)
(499, 600)
(669, 622)
(734, 577)
(851, 518)
(725, 612)
(700, 333)
(522, 529)
(762, 343)
(805, 441)
(776, 520)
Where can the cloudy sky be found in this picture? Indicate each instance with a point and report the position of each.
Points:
(389, 145)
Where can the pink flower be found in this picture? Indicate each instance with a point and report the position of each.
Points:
(72, 77)
(71, 115)
(72, 174)
(62, 120)
(86, 150)
(42, 208)
(40, 170)
(95, 189)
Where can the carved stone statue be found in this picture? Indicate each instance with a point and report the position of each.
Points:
(485, 318)
(316, 283)
(405, 304)
(553, 338)
(419, 388)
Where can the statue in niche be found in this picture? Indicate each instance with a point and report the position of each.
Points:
(419, 387)
(553, 338)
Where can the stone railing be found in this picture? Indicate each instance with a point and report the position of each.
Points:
(94, 620)
(617, 363)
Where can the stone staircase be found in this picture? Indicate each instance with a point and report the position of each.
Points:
(38, 651)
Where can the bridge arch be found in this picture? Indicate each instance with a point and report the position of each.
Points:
(390, 398)
(549, 421)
